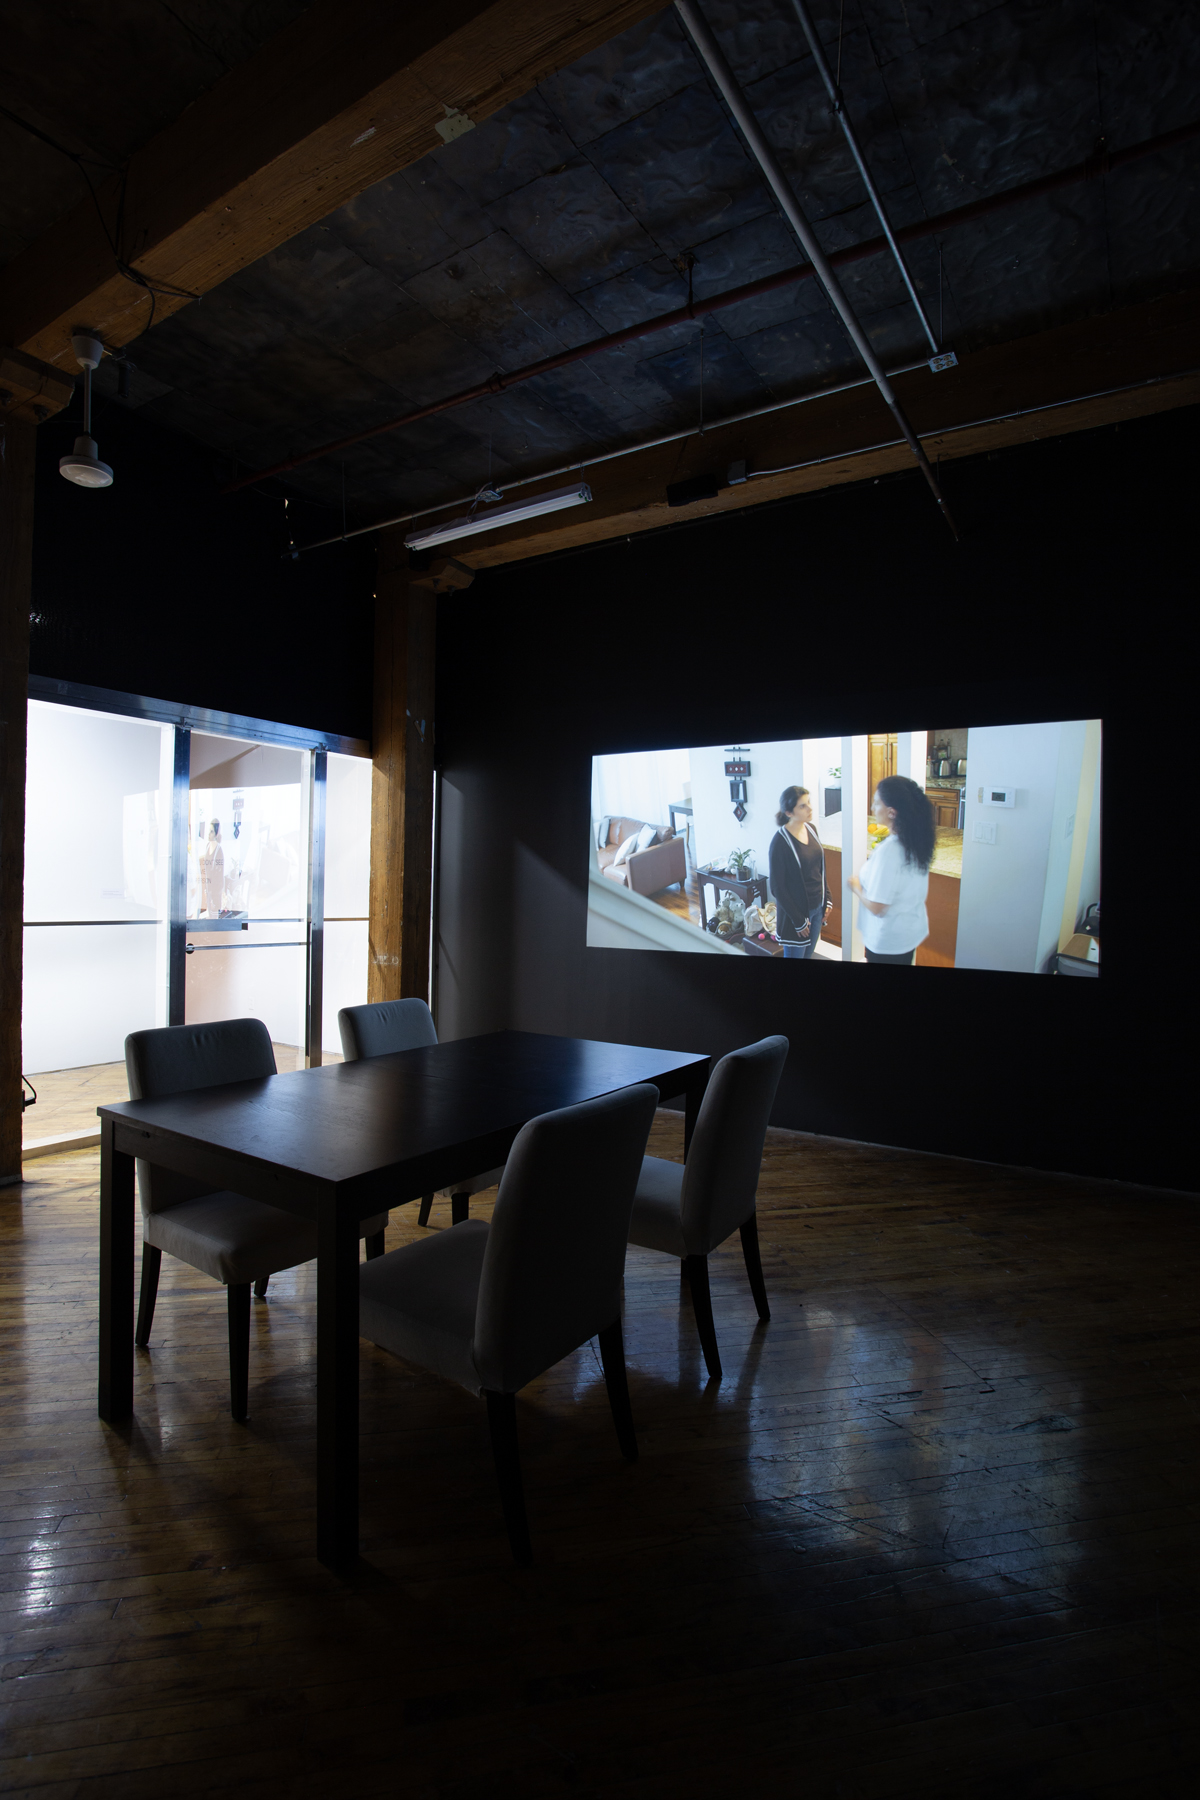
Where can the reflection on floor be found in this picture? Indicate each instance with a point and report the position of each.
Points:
(67, 1098)
(929, 1537)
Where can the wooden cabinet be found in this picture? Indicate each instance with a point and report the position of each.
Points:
(945, 806)
(882, 751)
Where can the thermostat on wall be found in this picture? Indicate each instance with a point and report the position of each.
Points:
(997, 796)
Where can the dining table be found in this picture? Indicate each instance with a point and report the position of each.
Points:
(336, 1144)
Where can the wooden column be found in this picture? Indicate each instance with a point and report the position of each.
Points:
(16, 566)
(30, 391)
(402, 787)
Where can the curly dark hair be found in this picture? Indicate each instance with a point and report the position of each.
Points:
(789, 800)
(915, 826)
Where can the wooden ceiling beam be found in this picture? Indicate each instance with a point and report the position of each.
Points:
(352, 92)
(1087, 373)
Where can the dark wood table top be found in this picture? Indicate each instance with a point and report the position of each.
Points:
(387, 1127)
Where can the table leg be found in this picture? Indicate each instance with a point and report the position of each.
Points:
(693, 1094)
(115, 1396)
(337, 1385)
(703, 909)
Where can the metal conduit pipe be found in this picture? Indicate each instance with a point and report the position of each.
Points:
(1092, 169)
(582, 463)
(838, 103)
(813, 462)
(713, 58)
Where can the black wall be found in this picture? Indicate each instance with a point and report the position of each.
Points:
(1071, 595)
(161, 585)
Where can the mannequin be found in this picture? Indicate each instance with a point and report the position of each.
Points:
(212, 872)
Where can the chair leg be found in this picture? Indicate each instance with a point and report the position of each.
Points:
(151, 1264)
(239, 1349)
(502, 1421)
(460, 1208)
(374, 1245)
(758, 1286)
(260, 1287)
(612, 1354)
(697, 1274)
(426, 1203)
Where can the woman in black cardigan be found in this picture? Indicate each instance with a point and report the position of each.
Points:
(797, 876)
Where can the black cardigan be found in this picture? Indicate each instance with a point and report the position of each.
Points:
(793, 903)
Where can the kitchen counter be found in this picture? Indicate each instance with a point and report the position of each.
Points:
(946, 781)
(947, 853)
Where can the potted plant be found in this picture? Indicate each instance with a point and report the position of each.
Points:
(741, 864)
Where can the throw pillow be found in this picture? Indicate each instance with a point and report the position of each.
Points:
(625, 852)
(602, 833)
(646, 836)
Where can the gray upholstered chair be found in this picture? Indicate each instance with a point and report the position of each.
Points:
(491, 1306)
(236, 1240)
(687, 1209)
(378, 1030)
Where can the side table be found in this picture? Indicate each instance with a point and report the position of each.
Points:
(754, 888)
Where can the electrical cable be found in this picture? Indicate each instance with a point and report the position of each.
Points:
(152, 286)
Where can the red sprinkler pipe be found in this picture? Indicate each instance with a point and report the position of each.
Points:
(906, 234)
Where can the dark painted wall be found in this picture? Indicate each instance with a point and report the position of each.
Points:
(161, 585)
(1071, 595)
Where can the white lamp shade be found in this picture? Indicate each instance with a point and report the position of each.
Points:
(84, 467)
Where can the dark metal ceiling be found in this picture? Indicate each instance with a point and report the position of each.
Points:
(101, 81)
(564, 216)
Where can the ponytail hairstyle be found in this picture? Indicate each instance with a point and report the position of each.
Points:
(914, 823)
(789, 800)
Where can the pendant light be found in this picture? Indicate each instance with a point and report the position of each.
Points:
(83, 466)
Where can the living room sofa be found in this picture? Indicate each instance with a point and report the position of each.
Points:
(647, 871)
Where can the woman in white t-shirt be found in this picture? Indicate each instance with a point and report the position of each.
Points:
(894, 881)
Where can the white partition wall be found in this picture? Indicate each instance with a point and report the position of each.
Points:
(97, 811)
(177, 869)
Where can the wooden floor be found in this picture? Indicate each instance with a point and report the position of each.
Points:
(67, 1098)
(933, 1535)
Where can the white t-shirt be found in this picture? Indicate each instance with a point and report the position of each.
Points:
(888, 877)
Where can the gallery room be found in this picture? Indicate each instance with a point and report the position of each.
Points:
(595, 608)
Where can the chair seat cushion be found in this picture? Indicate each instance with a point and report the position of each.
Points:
(235, 1239)
(419, 1302)
(230, 1237)
(656, 1221)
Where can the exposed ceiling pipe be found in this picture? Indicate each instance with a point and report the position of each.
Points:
(837, 101)
(713, 58)
(1091, 169)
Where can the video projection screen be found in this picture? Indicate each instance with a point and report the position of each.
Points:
(954, 848)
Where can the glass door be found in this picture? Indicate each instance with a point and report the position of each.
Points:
(249, 885)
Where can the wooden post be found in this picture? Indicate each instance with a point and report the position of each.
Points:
(17, 442)
(402, 785)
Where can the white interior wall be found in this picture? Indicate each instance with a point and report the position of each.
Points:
(1063, 825)
(1003, 888)
(855, 838)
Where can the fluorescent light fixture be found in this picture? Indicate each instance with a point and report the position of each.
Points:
(578, 494)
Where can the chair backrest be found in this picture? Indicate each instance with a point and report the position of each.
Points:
(178, 1058)
(725, 1155)
(555, 1254)
(385, 1026)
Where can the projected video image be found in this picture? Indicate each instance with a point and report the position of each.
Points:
(953, 848)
